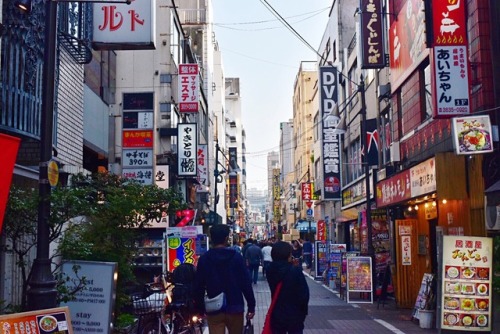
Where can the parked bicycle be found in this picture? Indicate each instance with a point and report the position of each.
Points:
(167, 306)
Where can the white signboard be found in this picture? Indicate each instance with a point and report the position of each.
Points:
(472, 134)
(423, 178)
(185, 231)
(406, 250)
(142, 175)
(451, 80)
(186, 148)
(92, 310)
(467, 283)
(125, 25)
(137, 158)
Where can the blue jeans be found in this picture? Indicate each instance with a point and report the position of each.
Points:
(253, 270)
(265, 267)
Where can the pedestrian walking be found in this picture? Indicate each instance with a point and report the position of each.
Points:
(291, 306)
(266, 257)
(253, 255)
(307, 251)
(297, 253)
(223, 270)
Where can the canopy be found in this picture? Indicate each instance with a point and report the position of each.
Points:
(303, 226)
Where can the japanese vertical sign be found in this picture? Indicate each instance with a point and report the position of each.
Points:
(137, 137)
(162, 181)
(372, 43)
(449, 59)
(405, 235)
(129, 26)
(202, 162)
(186, 149)
(189, 88)
(233, 158)
(306, 191)
(331, 149)
(276, 194)
(321, 230)
(233, 191)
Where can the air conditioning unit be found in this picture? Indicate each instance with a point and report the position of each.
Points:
(394, 152)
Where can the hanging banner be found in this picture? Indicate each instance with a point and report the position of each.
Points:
(201, 158)
(372, 36)
(10, 146)
(189, 88)
(330, 140)
(186, 149)
(320, 258)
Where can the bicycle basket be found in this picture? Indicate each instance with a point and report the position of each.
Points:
(151, 304)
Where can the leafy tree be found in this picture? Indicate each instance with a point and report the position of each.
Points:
(97, 218)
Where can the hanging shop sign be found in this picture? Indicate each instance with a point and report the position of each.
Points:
(320, 258)
(138, 120)
(372, 36)
(355, 193)
(201, 158)
(124, 26)
(187, 149)
(141, 175)
(137, 138)
(321, 230)
(137, 158)
(449, 61)
(467, 273)
(423, 178)
(189, 88)
(328, 83)
(472, 135)
(306, 191)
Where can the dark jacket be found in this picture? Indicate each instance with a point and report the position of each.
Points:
(223, 270)
(292, 305)
(253, 254)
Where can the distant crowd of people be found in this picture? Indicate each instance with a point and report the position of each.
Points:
(230, 272)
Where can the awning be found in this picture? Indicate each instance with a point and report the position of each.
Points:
(303, 226)
(347, 215)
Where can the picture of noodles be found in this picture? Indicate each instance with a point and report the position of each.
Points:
(451, 318)
(467, 320)
(48, 323)
(474, 140)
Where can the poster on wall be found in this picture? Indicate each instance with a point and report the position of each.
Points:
(467, 283)
(321, 258)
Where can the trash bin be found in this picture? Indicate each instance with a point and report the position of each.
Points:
(425, 318)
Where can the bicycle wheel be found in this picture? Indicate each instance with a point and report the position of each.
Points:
(151, 327)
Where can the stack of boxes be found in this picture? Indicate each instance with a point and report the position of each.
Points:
(292, 235)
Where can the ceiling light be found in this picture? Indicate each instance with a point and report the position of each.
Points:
(444, 201)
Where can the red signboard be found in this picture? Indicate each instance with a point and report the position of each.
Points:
(449, 22)
(321, 231)
(137, 138)
(394, 189)
(306, 191)
(9, 146)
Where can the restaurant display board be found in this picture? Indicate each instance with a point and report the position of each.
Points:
(335, 271)
(466, 303)
(320, 259)
(53, 320)
(359, 278)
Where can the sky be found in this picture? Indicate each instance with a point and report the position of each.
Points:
(266, 56)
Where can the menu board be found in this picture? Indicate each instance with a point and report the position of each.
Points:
(359, 275)
(321, 259)
(54, 320)
(467, 270)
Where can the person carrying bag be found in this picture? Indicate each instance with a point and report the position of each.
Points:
(289, 305)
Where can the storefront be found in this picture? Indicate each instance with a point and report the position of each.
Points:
(441, 195)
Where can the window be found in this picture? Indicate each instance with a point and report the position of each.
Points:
(427, 93)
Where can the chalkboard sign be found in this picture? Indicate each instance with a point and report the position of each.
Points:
(425, 297)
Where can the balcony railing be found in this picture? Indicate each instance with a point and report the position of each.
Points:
(193, 16)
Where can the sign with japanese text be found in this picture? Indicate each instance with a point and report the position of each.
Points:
(407, 45)
(137, 158)
(124, 26)
(355, 193)
(92, 308)
(472, 135)
(161, 176)
(181, 250)
(467, 271)
(330, 140)
(233, 191)
(138, 120)
(451, 81)
(187, 149)
(137, 138)
(189, 88)
(321, 230)
(276, 193)
(394, 189)
(372, 41)
(423, 178)
(306, 191)
(10, 146)
(42, 321)
(321, 257)
(141, 175)
(138, 101)
(406, 250)
(233, 158)
(359, 276)
(201, 158)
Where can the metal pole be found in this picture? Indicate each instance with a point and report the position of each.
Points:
(364, 144)
(42, 293)
(216, 176)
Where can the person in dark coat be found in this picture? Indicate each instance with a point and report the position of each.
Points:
(222, 269)
(291, 307)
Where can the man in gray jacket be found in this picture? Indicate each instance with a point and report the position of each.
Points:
(253, 255)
